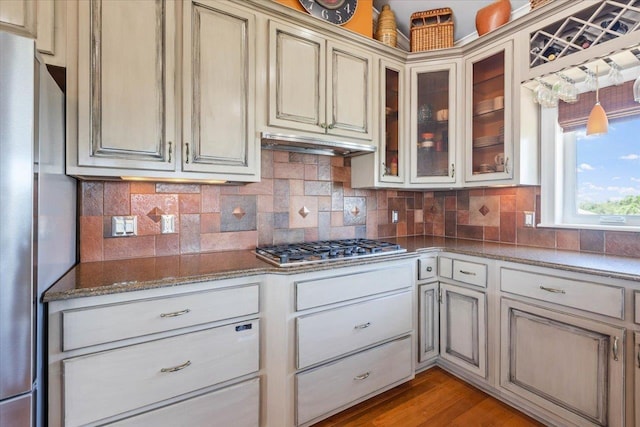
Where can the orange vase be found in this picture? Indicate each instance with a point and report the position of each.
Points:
(492, 16)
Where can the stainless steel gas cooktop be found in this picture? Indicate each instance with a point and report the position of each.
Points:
(288, 255)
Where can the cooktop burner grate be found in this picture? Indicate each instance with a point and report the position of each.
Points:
(325, 250)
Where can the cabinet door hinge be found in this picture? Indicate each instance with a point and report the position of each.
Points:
(440, 295)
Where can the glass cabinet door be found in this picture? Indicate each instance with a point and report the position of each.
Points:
(489, 145)
(433, 126)
(391, 147)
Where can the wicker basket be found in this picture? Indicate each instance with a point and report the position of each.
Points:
(432, 29)
(538, 3)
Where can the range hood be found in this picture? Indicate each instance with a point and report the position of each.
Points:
(310, 145)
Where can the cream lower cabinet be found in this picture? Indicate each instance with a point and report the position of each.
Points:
(335, 338)
(636, 377)
(429, 324)
(463, 328)
(570, 366)
(187, 356)
(124, 122)
(319, 85)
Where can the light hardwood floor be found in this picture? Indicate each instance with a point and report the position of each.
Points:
(434, 398)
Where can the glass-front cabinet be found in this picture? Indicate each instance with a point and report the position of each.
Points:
(433, 124)
(489, 137)
(387, 166)
(392, 165)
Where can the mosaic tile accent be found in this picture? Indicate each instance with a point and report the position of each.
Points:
(355, 211)
(238, 213)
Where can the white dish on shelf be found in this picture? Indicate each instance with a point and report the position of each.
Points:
(483, 107)
(485, 141)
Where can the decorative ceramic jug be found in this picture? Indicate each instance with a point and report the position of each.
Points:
(387, 29)
(492, 16)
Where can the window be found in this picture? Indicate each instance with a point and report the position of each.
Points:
(592, 181)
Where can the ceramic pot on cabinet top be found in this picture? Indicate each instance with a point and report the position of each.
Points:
(492, 16)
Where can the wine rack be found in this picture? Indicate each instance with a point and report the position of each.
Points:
(604, 21)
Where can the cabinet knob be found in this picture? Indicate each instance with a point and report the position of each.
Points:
(331, 126)
(323, 125)
(429, 268)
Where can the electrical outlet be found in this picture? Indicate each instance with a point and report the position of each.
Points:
(124, 226)
(167, 224)
(529, 219)
(394, 217)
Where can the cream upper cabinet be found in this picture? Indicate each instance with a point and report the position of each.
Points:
(219, 89)
(19, 16)
(570, 366)
(318, 85)
(129, 94)
(434, 134)
(387, 166)
(501, 140)
(43, 20)
(126, 81)
(489, 128)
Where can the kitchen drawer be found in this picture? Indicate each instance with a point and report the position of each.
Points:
(427, 268)
(107, 323)
(333, 386)
(637, 306)
(237, 405)
(328, 290)
(470, 272)
(588, 296)
(111, 382)
(332, 333)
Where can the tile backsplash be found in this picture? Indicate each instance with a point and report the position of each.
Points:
(300, 197)
(309, 197)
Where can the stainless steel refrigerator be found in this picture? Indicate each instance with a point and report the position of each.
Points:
(37, 222)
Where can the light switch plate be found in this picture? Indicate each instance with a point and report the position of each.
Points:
(394, 217)
(124, 226)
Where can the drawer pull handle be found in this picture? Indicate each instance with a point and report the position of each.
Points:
(176, 368)
(363, 326)
(362, 377)
(175, 313)
(615, 348)
(553, 290)
(468, 273)
(638, 355)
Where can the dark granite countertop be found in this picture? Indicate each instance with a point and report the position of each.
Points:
(110, 277)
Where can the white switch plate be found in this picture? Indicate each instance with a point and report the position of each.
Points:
(394, 217)
(124, 226)
(529, 219)
(167, 224)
